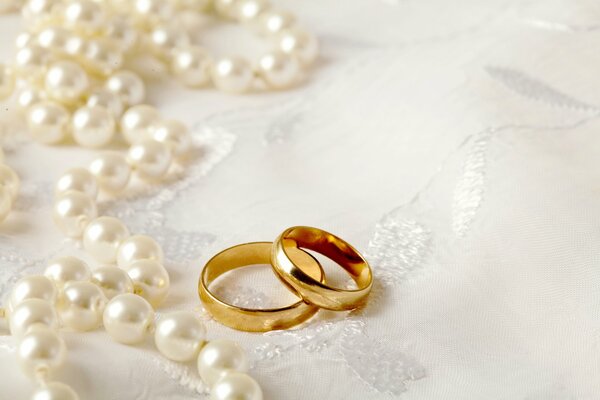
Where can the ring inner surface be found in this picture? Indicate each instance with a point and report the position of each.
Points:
(332, 247)
(254, 254)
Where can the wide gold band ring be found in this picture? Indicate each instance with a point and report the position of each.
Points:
(253, 320)
(314, 291)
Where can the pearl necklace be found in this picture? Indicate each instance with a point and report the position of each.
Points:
(69, 76)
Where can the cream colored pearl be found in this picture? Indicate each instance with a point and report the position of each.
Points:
(225, 8)
(127, 85)
(66, 82)
(54, 39)
(76, 47)
(48, 122)
(93, 126)
(232, 74)
(179, 335)
(121, 32)
(67, 269)
(102, 238)
(32, 287)
(137, 123)
(40, 12)
(80, 306)
(32, 312)
(249, 10)
(236, 386)
(107, 99)
(84, 16)
(28, 96)
(7, 82)
(103, 57)
(112, 171)
(79, 180)
(150, 280)
(112, 280)
(218, 357)
(5, 203)
(191, 65)
(150, 159)
(31, 61)
(72, 213)
(23, 39)
(9, 180)
(175, 135)
(128, 318)
(153, 10)
(279, 70)
(55, 391)
(300, 44)
(138, 247)
(272, 22)
(167, 37)
(41, 350)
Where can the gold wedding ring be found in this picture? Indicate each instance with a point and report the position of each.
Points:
(253, 320)
(312, 290)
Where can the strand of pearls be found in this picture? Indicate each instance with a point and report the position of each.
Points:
(69, 79)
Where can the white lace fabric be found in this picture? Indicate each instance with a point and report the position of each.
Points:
(455, 143)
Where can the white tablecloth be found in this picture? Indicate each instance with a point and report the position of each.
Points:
(456, 143)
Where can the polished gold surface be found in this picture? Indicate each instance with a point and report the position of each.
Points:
(312, 290)
(253, 320)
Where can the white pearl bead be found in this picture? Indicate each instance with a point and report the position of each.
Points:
(80, 306)
(102, 238)
(9, 180)
(84, 16)
(67, 269)
(127, 85)
(54, 39)
(219, 357)
(150, 159)
(23, 39)
(128, 318)
(32, 312)
(179, 335)
(76, 47)
(112, 171)
(7, 82)
(102, 57)
(66, 82)
(109, 100)
(248, 10)
(236, 386)
(175, 135)
(272, 22)
(191, 65)
(225, 8)
(119, 30)
(31, 61)
(112, 280)
(40, 12)
(137, 123)
(41, 350)
(79, 180)
(279, 70)
(138, 247)
(153, 10)
(6, 203)
(166, 37)
(150, 280)
(32, 287)
(232, 74)
(72, 213)
(300, 44)
(93, 126)
(27, 96)
(48, 122)
(55, 391)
